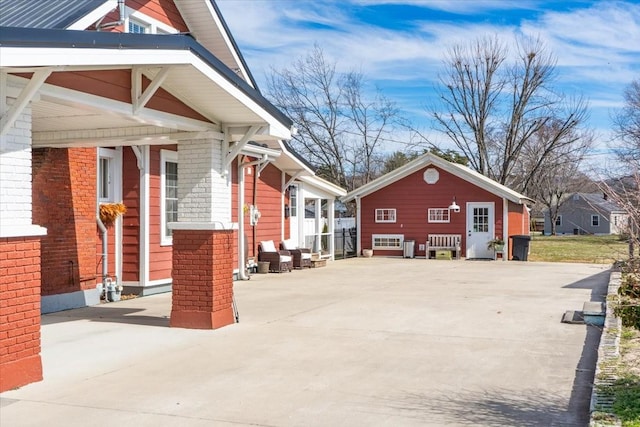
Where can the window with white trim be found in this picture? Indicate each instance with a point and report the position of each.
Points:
(559, 220)
(385, 215)
(387, 241)
(168, 194)
(595, 220)
(137, 22)
(438, 215)
(138, 27)
(108, 179)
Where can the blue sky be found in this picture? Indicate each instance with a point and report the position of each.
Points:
(399, 44)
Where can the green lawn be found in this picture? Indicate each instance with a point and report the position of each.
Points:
(592, 249)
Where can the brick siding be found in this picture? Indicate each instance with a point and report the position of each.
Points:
(64, 201)
(202, 279)
(20, 362)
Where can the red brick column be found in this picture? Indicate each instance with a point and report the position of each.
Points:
(20, 362)
(202, 279)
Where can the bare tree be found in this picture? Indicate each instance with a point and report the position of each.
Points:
(340, 129)
(626, 125)
(492, 108)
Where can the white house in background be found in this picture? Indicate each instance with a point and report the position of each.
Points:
(587, 213)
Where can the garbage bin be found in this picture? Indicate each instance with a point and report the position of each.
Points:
(520, 247)
(409, 249)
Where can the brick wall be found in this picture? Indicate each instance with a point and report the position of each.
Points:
(20, 362)
(205, 194)
(15, 174)
(202, 279)
(64, 192)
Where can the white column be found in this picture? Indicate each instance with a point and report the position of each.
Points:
(15, 174)
(204, 190)
(331, 227)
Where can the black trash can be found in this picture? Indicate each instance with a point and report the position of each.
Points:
(520, 247)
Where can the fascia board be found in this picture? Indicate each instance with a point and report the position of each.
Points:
(256, 151)
(324, 185)
(89, 19)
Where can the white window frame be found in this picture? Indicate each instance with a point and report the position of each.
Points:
(114, 175)
(153, 25)
(399, 237)
(559, 221)
(439, 215)
(597, 218)
(385, 212)
(171, 157)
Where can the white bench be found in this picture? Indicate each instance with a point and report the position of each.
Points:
(444, 242)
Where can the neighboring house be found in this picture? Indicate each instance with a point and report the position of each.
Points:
(416, 200)
(156, 110)
(587, 213)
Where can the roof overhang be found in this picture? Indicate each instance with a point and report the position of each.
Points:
(458, 170)
(176, 63)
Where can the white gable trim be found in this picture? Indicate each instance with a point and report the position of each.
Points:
(92, 17)
(458, 170)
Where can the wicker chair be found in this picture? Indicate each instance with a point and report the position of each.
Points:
(301, 256)
(279, 261)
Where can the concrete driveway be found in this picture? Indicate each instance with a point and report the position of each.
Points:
(362, 342)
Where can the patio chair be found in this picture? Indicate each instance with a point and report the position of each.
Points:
(279, 261)
(301, 256)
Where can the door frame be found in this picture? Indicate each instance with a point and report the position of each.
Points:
(492, 228)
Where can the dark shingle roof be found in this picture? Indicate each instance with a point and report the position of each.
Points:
(598, 200)
(52, 14)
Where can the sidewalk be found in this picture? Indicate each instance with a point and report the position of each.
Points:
(360, 342)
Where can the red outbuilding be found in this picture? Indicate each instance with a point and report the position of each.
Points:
(431, 196)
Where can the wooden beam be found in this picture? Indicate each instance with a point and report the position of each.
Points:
(28, 92)
(140, 101)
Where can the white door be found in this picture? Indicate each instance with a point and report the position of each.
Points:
(480, 229)
(294, 224)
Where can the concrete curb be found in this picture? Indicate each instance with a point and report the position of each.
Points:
(608, 354)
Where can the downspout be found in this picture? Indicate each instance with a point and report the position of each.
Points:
(254, 202)
(105, 253)
(242, 275)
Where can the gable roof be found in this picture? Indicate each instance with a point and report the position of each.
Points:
(456, 169)
(57, 14)
(598, 201)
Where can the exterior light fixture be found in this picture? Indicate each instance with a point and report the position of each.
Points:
(454, 206)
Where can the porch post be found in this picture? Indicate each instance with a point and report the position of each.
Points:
(331, 227)
(202, 239)
(20, 361)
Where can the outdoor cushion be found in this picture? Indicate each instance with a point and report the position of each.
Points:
(305, 255)
(289, 244)
(268, 246)
(285, 258)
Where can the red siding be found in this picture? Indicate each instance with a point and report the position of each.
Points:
(412, 197)
(116, 85)
(268, 199)
(160, 257)
(20, 362)
(64, 201)
(130, 221)
(164, 11)
(518, 222)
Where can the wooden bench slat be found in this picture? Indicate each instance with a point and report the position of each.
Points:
(450, 242)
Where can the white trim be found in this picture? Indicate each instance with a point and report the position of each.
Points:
(592, 218)
(358, 226)
(145, 183)
(439, 212)
(400, 237)
(22, 231)
(171, 157)
(157, 282)
(218, 225)
(92, 17)
(115, 175)
(388, 212)
(505, 228)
